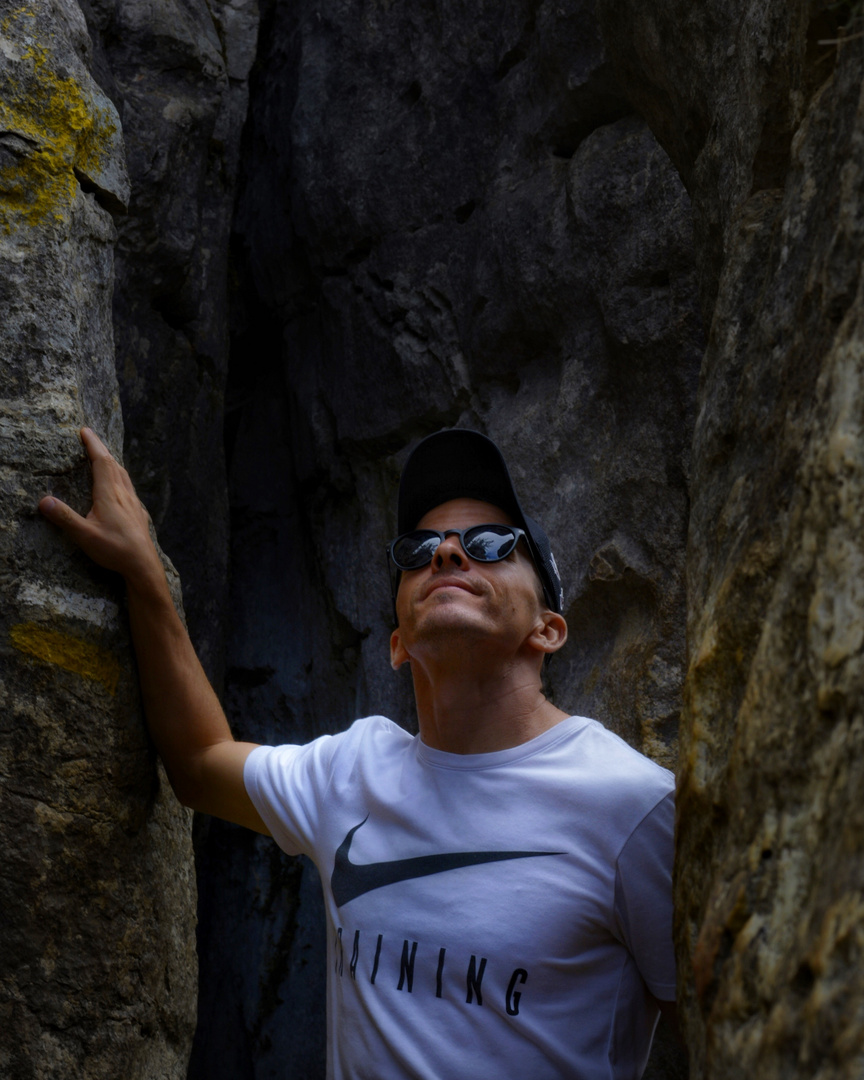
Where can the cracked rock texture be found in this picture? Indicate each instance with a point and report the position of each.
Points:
(98, 974)
(177, 74)
(760, 108)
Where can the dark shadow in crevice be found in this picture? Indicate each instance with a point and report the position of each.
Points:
(515, 56)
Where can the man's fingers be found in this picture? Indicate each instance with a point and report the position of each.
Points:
(61, 514)
(115, 533)
(93, 445)
(107, 470)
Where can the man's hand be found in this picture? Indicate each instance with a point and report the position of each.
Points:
(203, 762)
(116, 531)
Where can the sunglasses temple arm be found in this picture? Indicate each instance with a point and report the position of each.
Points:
(393, 584)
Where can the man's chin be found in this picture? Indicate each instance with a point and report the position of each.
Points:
(449, 623)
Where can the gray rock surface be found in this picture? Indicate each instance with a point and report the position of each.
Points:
(98, 972)
(177, 74)
(770, 843)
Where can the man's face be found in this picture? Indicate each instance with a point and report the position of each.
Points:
(456, 599)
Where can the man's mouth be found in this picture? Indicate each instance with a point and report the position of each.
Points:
(448, 583)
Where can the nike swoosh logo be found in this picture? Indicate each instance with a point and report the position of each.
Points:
(350, 880)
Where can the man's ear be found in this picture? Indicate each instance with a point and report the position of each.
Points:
(550, 632)
(398, 655)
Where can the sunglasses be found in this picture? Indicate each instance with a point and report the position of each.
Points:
(483, 543)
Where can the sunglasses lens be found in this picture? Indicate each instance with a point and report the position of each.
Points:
(489, 543)
(415, 549)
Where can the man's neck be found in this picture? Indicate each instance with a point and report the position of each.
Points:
(471, 712)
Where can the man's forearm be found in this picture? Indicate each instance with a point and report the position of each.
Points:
(183, 713)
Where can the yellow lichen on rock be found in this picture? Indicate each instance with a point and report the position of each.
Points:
(67, 652)
(51, 128)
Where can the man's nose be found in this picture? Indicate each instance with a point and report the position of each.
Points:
(449, 554)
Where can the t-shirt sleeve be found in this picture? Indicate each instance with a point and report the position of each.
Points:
(643, 898)
(286, 784)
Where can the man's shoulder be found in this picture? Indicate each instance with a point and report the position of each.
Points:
(375, 727)
(368, 740)
(613, 754)
(369, 733)
(616, 777)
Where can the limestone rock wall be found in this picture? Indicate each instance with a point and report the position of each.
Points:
(766, 101)
(177, 74)
(98, 971)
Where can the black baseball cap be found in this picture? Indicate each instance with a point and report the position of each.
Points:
(463, 464)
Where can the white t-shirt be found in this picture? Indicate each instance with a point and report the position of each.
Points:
(489, 915)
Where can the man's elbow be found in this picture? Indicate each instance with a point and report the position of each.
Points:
(186, 787)
(211, 781)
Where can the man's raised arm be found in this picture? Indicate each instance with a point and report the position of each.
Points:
(203, 762)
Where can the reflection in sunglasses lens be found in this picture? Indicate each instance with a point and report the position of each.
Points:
(489, 544)
(485, 543)
(416, 549)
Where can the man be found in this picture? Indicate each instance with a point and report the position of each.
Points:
(498, 888)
